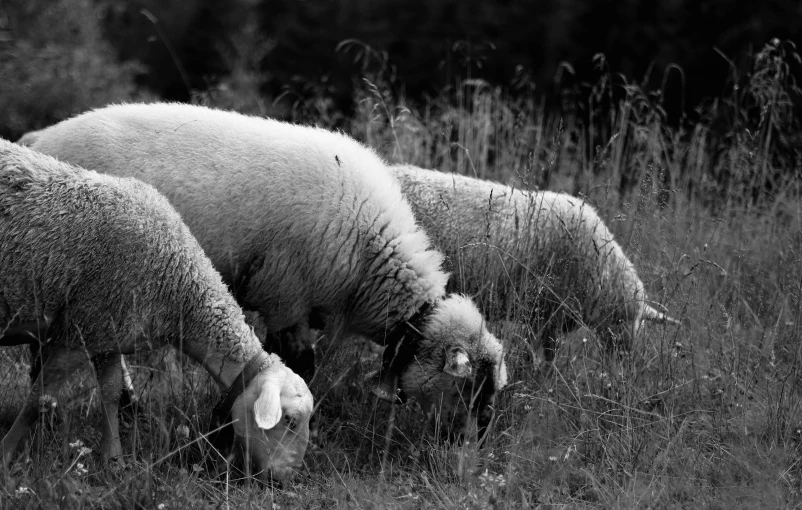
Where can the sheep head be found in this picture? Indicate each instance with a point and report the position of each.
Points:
(458, 367)
(271, 418)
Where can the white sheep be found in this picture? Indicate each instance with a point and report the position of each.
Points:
(301, 222)
(105, 266)
(547, 253)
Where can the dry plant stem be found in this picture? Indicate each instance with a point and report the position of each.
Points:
(388, 437)
(707, 415)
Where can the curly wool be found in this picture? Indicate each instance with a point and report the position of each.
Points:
(548, 251)
(458, 321)
(301, 220)
(80, 251)
(107, 265)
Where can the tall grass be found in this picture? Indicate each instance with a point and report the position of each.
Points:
(708, 414)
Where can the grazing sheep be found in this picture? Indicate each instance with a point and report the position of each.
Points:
(548, 251)
(301, 222)
(104, 266)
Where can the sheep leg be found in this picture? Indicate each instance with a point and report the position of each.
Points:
(36, 359)
(109, 370)
(549, 341)
(395, 358)
(56, 370)
(558, 323)
(549, 349)
(129, 403)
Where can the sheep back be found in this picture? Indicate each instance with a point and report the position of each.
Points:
(295, 218)
(548, 252)
(105, 260)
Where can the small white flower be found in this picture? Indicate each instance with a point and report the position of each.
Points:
(45, 402)
(80, 469)
(553, 458)
(22, 491)
(182, 432)
(162, 506)
(77, 444)
(84, 451)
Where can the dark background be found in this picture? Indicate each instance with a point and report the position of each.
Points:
(282, 50)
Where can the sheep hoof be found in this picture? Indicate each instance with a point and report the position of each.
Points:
(384, 388)
(111, 454)
(384, 393)
(116, 464)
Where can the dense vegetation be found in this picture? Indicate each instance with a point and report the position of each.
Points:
(281, 50)
(709, 210)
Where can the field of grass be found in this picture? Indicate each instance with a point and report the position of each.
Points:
(708, 414)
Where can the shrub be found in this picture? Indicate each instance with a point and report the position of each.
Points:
(54, 64)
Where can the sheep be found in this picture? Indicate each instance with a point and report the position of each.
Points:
(549, 251)
(301, 222)
(100, 266)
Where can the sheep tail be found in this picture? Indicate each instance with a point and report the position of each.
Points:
(650, 314)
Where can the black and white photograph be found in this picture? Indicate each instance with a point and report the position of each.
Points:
(400, 254)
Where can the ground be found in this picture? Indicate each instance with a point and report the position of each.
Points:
(707, 414)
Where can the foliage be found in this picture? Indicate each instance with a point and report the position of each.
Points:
(435, 44)
(707, 414)
(294, 47)
(55, 64)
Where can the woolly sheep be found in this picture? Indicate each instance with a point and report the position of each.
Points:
(104, 266)
(549, 251)
(300, 222)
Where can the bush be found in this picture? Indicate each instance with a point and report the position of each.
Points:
(55, 64)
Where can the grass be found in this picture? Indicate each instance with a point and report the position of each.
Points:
(705, 415)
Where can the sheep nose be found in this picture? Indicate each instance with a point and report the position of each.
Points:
(282, 474)
(294, 461)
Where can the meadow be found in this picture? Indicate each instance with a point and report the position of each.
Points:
(708, 414)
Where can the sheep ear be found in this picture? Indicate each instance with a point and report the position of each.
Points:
(458, 364)
(267, 408)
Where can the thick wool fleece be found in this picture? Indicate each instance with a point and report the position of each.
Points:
(105, 261)
(298, 220)
(108, 267)
(548, 250)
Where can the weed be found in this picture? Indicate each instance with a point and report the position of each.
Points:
(708, 414)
